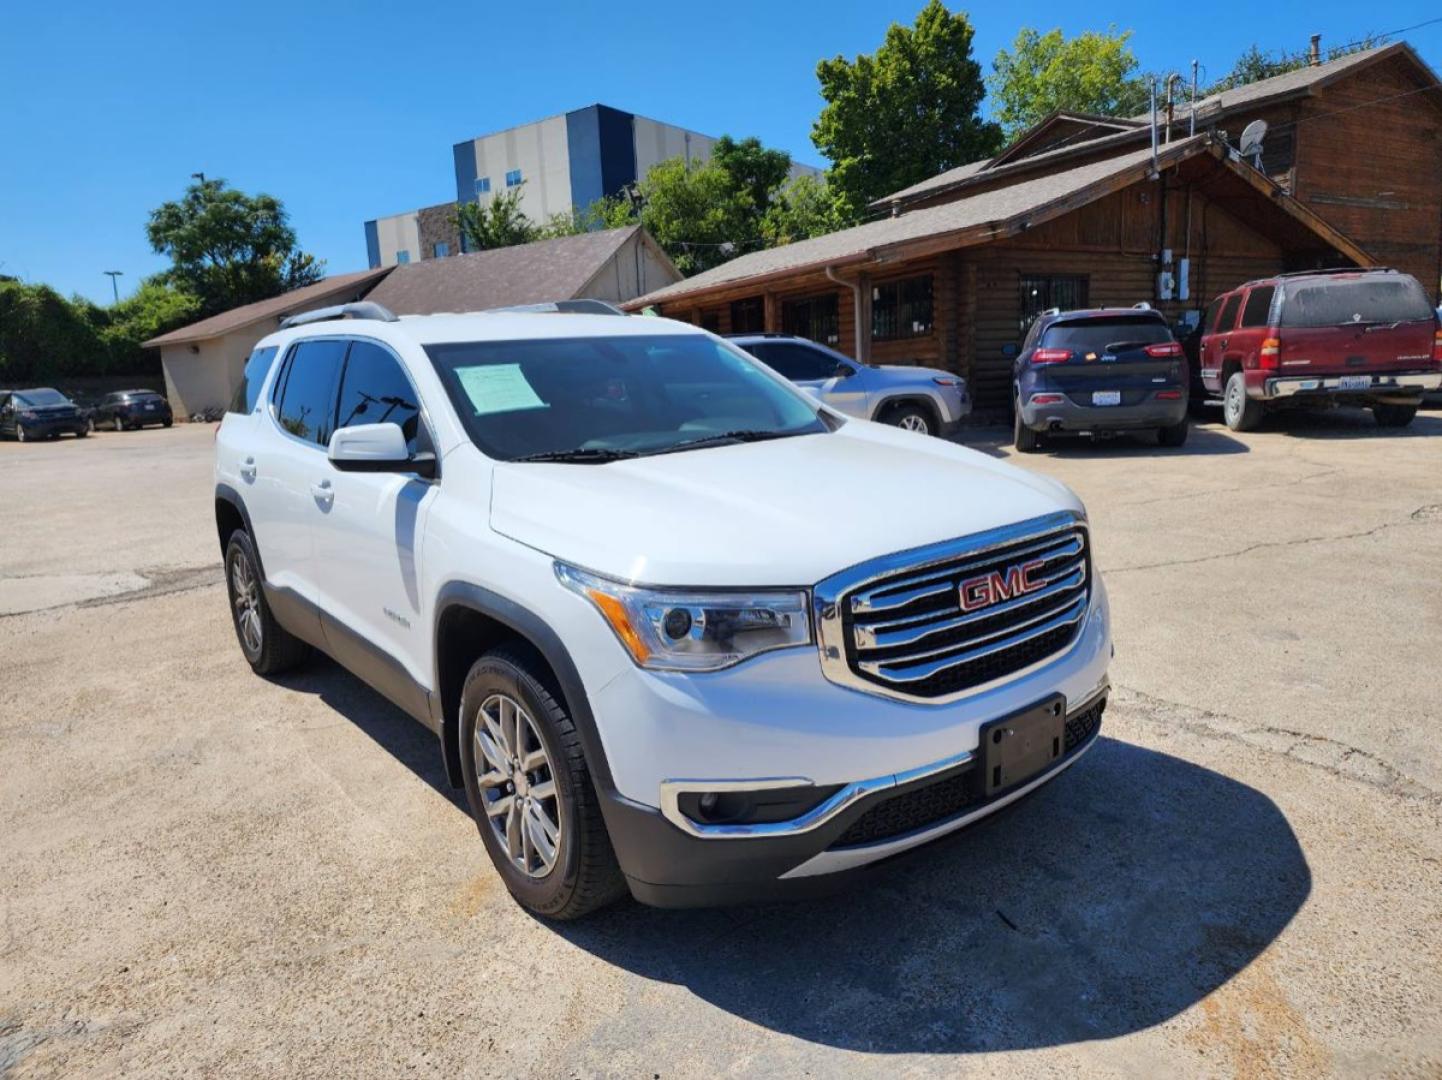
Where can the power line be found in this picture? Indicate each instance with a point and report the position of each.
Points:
(1389, 33)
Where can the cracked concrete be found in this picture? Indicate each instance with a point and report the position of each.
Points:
(211, 874)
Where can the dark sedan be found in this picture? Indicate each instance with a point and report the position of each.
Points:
(40, 413)
(1100, 371)
(126, 409)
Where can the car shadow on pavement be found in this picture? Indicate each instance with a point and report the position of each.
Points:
(1110, 901)
(1344, 423)
(1204, 440)
(407, 740)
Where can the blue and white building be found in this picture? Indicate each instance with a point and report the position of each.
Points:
(560, 163)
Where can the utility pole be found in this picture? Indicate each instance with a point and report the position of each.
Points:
(114, 288)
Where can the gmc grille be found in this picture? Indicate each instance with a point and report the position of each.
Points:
(906, 630)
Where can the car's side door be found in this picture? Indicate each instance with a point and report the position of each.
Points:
(818, 370)
(285, 470)
(1217, 342)
(368, 538)
(7, 414)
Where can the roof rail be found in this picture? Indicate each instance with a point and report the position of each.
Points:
(566, 307)
(1141, 305)
(1052, 311)
(1339, 270)
(361, 309)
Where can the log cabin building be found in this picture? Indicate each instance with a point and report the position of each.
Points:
(1081, 211)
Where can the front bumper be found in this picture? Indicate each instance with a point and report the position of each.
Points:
(865, 822)
(40, 429)
(777, 721)
(1067, 415)
(1400, 384)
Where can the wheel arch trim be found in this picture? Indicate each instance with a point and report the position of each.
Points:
(224, 493)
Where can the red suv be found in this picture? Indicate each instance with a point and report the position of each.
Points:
(1321, 338)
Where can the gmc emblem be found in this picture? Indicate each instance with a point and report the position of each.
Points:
(993, 588)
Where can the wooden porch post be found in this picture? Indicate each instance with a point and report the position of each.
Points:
(771, 313)
(863, 318)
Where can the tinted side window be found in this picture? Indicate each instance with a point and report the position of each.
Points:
(374, 390)
(1259, 304)
(796, 362)
(1228, 318)
(307, 404)
(256, 368)
(1209, 320)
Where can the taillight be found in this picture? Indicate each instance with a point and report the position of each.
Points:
(1271, 350)
(1046, 399)
(1164, 349)
(1437, 348)
(1169, 395)
(1051, 356)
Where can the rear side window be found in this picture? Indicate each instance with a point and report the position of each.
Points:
(1097, 334)
(1228, 318)
(1259, 306)
(248, 392)
(374, 390)
(1346, 301)
(306, 407)
(795, 362)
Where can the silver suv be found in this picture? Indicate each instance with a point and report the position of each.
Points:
(919, 399)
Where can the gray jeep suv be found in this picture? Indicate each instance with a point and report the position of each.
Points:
(920, 399)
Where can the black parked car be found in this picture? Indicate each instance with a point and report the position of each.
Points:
(132, 409)
(1100, 371)
(40, 413)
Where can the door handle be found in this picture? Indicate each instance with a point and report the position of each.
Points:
(323, 492)
(247, 469)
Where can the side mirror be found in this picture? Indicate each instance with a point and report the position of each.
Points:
(843, 371)
(1009, 350)
(377, 448)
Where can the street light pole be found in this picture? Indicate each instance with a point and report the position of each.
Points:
(114, 288)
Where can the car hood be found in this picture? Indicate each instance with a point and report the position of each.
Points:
(787, 512)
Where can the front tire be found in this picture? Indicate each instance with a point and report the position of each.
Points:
(530, 789)
(911, 418)
(1393, 416)
(268, 647)
(1240, 412)
(1176, 435)
(82, 432)
(19, 433)
(119, 423)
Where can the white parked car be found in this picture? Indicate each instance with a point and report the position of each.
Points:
(680, 630)
(921, 399)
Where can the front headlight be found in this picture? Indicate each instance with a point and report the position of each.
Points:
(684, 630)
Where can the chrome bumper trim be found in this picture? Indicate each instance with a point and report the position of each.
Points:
(1279, 388)
(848, 796)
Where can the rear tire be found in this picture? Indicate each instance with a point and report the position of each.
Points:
(119, 424)
(1027, 441)
(575, 872)
(1240, 412)
(1393, 416)
(267, 646)
(83, 432)
(19, 433)
(1176, 435)
(166, 423)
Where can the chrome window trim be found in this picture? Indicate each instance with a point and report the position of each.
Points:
(828, 594)
(848, 796)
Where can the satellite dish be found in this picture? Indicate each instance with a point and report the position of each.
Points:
(1251, 146)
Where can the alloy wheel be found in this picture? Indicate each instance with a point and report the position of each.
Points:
(517, 785)
(246, 593)
(913, 422)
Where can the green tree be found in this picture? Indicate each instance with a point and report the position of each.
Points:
(153, 309)
(904, 113)
(1094, 72)
(228, 248)
(496, 224)
(753, 169)
(697, 214)
(1254, 64)
(802, 209)
(43, 335)
(608, 212)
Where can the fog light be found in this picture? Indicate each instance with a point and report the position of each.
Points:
(708, 803)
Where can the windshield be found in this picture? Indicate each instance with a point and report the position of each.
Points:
(42, 397)
(1342, 301)
(608, 397)
(1094, 335)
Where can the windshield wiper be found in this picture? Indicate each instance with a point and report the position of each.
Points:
(721, 438)
(580, 456)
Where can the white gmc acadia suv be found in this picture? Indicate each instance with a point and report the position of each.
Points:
(680, 629)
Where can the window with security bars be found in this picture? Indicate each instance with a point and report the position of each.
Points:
(1068, 292)
(901, 309)
(812, 317)
(748, 316)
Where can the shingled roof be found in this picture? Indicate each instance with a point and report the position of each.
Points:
(557, 269)
(340, 288)
(983, 217)
(1210, 109)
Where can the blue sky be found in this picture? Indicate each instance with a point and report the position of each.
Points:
(348, 111)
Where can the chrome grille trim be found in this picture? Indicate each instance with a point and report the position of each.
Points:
(864, 627)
